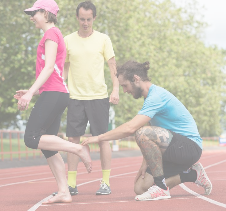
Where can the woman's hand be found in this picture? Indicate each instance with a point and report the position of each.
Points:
(20, 93)
(24, 97)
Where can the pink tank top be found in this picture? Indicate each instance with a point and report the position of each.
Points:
(55, 82)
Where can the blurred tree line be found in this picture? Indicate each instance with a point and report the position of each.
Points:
(156, 31)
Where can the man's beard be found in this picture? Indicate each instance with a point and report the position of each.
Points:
(137, 92)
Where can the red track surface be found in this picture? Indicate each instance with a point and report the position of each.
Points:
(22, 188)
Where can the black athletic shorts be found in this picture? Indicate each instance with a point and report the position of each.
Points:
(45, 118)
(179, 156)
(82, 111)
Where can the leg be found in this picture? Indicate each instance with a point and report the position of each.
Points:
(76, 125)
(73, 161)
(55, 143)
(98, 114)
(142, 185)
(105, 155)
(153, 141)
(57, 167)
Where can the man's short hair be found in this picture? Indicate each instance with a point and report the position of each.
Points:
(87, 5)
(131, 68)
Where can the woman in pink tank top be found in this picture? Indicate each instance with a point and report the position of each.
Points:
(44, 121)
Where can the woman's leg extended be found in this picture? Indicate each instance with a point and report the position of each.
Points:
(55, 143)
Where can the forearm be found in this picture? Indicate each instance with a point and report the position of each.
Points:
(118, 133)
(114, 82)
(42, 78)
(66, 70)
(112, 66)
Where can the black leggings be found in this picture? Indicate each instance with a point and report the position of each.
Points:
(45, 119)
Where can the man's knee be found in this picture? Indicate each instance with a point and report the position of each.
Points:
(143, 184)
(145, 133)
(138, 189)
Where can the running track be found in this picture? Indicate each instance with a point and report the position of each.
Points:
(24, 188)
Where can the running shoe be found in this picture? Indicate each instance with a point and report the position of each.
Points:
(154, 193)
(202, 178)
(104, 189)
(73, 191)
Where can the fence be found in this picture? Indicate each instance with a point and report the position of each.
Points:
(13, 147)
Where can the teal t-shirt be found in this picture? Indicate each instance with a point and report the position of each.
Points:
(166, 111)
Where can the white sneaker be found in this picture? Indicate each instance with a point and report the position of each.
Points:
(202, 178)
(154, 193)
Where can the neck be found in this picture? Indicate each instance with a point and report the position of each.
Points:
(85, 34)
(146, 87)
(48, 26)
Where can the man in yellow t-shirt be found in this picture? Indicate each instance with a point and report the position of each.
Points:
(86, 51)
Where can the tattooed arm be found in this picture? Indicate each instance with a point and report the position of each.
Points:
(120, 132)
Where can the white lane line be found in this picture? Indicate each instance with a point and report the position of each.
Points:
(46, 172)
(203, 197)
(47, 178)
(36, 206)
(27, 175)
(82, 203)
(215, 164)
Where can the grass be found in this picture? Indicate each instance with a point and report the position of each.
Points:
(16, 149)
(210, 142)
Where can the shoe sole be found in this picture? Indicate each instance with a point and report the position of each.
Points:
(211, 186)
(158, 198)
(103, 193)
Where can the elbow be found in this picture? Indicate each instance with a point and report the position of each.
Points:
(130, 130)
(50, 69)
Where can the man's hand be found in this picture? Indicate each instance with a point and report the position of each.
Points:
(114, 97)
(93, 139)
(141, 172)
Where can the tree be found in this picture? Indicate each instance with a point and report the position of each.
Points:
(156, 31)
(17, 61)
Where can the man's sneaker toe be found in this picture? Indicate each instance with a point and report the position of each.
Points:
(154, 193)
(202, 178)
(104, 189)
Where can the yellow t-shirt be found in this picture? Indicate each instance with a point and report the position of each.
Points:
(86, 56)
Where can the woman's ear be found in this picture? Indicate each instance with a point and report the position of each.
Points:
(46, 13)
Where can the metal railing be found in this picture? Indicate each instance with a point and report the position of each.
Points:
(13, 147)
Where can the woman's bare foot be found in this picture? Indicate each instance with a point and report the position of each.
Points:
(84, 154)
(59, 198)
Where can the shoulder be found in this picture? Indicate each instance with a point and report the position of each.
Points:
(53, 30)
(70, 36)
(101, 35)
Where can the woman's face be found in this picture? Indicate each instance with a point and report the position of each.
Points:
(38, 18)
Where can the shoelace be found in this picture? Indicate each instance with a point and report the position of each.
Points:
(155, 191)
(103, 185)
(202, 181)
